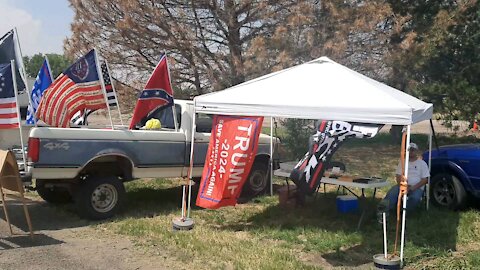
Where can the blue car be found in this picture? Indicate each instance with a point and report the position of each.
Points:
(455, 174)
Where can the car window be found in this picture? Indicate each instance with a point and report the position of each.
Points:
(165, 115)
(203, 123)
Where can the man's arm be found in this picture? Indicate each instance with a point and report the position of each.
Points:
(420, 184)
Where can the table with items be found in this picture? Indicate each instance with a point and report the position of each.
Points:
(347, 183)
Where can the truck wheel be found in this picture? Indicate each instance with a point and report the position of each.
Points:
(257, 180)
(100, 197)
(54, 194)
(448, 191)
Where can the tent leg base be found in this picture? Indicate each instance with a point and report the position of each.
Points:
(182, 224)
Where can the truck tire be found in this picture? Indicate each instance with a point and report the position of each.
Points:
(99, 197)
(54, 195)
(257, 181)
(448, 191)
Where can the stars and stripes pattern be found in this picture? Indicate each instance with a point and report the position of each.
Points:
(112, 100)
(8, 103)
(77, 89)
(80, 117)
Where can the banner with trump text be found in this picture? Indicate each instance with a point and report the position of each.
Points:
(231, 153)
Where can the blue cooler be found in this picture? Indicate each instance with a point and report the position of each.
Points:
(347, 204)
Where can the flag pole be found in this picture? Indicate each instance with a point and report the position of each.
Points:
(24, 78)
(15, 31)
(114, 92)
(100, 76)
(173, 105)
(14, 78)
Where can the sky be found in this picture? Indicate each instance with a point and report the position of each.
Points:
(42, 24)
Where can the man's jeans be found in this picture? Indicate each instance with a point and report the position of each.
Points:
(413, 197)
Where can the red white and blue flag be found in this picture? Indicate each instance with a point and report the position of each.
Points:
(76, 89)
(157, 93)
(80, 117)
(8, 102)
(42, 82)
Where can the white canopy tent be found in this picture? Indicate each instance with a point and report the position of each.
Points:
(319, 89)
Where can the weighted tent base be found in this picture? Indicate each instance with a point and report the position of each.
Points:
(180, 224)
(391, 262)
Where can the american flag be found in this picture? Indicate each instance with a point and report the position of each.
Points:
(80, 117)
(112, 101)
(76, 89)
(8, 102)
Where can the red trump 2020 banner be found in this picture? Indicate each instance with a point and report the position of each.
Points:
(231, 152)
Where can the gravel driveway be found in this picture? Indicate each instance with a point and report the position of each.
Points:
(63, 241)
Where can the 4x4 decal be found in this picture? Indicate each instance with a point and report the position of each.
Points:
(52, 146)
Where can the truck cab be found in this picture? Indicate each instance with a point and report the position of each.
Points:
(89, 166)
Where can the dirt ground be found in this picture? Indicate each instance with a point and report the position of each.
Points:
(63, 241)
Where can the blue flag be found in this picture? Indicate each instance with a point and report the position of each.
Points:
(42, 82)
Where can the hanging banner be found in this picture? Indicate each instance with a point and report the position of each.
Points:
(328, 137)
(231, 152)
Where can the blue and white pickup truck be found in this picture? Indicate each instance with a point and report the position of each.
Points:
(91, 165)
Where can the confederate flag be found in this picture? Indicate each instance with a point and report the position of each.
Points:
(76, 89)
(157, 93)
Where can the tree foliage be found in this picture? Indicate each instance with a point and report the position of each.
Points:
(438, 58)
(217, 44)
(58, 63)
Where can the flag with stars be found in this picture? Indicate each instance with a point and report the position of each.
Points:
(8, 52)
(157, 93)
(8, 102)
(76, 89)
(80, 117)
(42, 82)
(328, 138)
(112, 100)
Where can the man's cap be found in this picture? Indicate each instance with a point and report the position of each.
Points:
(413, 146)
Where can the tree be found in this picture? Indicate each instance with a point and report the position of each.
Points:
(217, 44)
(58, 63)
(205, 39)
(439, 60)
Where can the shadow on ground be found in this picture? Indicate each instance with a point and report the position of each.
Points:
(26, 241)
(44, 216)
(428, 232)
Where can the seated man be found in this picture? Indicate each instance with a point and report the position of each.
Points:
(418, 173)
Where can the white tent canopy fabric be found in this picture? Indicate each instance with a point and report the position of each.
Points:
(319, 89)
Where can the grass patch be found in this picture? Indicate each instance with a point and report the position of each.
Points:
(262, 235)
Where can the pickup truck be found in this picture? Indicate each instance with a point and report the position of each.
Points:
(90, 166)
(455, 174)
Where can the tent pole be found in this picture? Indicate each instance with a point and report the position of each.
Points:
(433, 134)
(185, 222)
(429, 165)
(271, 156)
(191, 161)
(404, 199)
